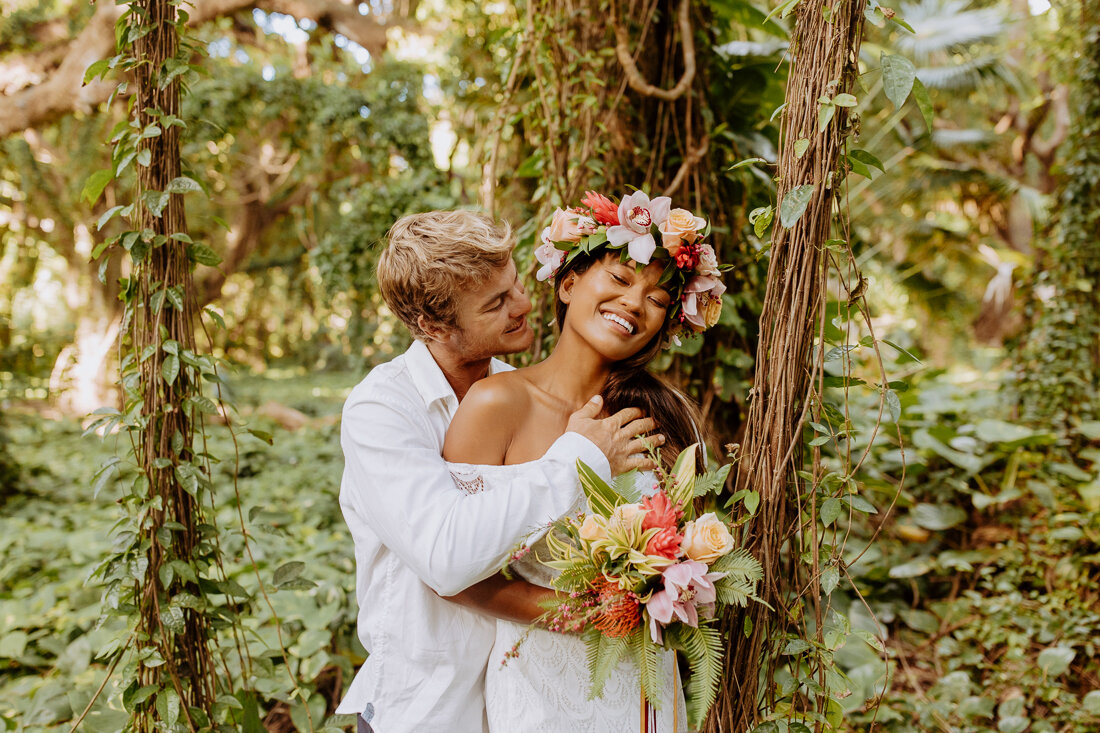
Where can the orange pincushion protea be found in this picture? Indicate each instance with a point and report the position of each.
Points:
(620, 613)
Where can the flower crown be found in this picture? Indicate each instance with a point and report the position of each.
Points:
(634, 227)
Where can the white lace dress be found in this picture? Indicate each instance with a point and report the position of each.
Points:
(546, 688)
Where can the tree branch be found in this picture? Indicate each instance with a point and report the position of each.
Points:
(634, 77)
(48, 92)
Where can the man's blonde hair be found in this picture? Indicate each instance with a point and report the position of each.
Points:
(430, 257)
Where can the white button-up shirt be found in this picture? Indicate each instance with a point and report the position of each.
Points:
(415, 530)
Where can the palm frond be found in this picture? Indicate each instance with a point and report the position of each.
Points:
(702, 647)
(963, 76)
(941, 26)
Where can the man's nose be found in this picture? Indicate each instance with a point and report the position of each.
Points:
(521, 304)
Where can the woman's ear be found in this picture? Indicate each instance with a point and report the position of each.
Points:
(565, 290)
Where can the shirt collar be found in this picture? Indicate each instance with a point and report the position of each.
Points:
(429, 379)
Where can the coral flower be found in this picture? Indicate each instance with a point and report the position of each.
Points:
(688, 585)
(660, 512)
(665, 543)
(603, 209)
(620, 612)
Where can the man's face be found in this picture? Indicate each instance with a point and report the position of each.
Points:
(492, 317)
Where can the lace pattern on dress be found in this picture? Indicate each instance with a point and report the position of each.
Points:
(471, 485)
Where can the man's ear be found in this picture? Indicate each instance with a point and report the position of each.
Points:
(432, 330)
(565, 290)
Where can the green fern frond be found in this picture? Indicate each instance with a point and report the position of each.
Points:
(739, 563)
(735, 591)
(645, 654)
(712, 481)
(626, 486)
(703, 649)
(608, 653)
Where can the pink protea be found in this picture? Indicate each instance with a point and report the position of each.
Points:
(603, 209)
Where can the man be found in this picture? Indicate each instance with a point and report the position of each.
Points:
(420, 533)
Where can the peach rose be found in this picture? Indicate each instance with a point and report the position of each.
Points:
(707, 539)
(593, 528)
(569, 226)
(681, 225)
(623, 518)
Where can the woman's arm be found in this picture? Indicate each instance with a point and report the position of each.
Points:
(510, 600)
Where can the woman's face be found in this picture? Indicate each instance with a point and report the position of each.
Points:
(614, 307)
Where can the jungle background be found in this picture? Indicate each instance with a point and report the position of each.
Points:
(313, 126)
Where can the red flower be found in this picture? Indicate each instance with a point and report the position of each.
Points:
(603, 211)
(665, 543)
(660, 512)
(687, 256)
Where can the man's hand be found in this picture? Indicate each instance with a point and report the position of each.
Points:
(622, 436)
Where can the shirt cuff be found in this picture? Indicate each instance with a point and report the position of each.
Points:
(583, 449)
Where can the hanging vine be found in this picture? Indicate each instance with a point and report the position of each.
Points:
(183, 662)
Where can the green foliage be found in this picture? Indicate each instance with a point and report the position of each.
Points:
(52, 640)
(1059, 362)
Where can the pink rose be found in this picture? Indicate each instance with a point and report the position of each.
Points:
(708, 261)
(569, 226)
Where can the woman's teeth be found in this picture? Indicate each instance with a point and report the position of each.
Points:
(621, 321)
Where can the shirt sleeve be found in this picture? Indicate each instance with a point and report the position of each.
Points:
(396, 480)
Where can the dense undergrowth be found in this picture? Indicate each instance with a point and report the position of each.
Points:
(982, 579)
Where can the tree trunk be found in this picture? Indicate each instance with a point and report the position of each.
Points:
(825, 53)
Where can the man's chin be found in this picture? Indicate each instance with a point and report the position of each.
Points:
(518, 341)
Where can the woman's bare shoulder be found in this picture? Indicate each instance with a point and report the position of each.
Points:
(487, 419)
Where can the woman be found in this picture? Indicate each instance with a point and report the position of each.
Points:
(614, 314)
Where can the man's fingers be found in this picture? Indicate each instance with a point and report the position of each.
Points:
(640, 462)
(644, 443)
(590, 409)
(640, 426)
(627, 415)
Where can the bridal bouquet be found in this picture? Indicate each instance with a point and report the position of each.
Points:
(639, 574)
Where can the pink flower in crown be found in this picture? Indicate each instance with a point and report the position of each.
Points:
(549, 256)
(688, 586)
(637, 213)
(702, 301)
(708, 261)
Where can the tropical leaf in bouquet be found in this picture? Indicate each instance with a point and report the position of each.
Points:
(682, 487)
(626, 485)
(702, 647)
(645, 654)
(602, 499)
(712, 481)
(738, 562)
(604, 653)
(734, 591)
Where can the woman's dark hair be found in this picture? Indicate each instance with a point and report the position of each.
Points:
(631, 385)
